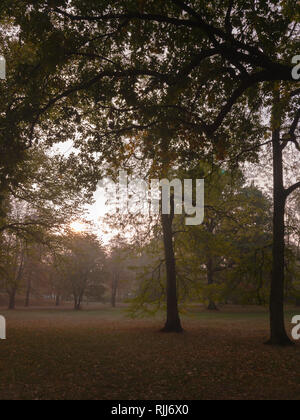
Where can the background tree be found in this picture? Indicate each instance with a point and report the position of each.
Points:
(235, 228)
(13, 254)
(82, 264)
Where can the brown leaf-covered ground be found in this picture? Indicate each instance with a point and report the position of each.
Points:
(99, 354)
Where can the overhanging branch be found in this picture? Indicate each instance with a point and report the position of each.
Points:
(293, 188)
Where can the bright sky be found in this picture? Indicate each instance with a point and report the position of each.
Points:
(95, 213)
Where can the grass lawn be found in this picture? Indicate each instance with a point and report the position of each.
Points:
(100, 354)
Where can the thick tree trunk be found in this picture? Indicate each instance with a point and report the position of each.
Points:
(298, 302)
(57, 300)
(277, 322)
(173, 323)
(12, 300)
(210, 280)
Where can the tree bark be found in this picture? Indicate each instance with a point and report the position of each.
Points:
(173, 323)
(57, 300)
(277, 321)
(210, 280)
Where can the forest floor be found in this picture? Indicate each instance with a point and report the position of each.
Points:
(100, 354)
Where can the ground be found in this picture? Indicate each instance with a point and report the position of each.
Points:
(100, 354)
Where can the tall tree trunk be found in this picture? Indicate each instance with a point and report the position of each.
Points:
(28, 292)
(12, 300)
(173, 323)
(210, 280)
(298, 302)
(57, 300)
(277, 322)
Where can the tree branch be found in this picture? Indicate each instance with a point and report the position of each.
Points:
(293, 188)
(228, 25)
(128, 16)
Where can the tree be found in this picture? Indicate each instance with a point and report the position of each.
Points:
(214, 258)
(35, 209)
(172, 47)
(50, 204)
(116, 266)
(34, 269)
(121, 277)
(12, 260)
(280, 141)
(82, 264)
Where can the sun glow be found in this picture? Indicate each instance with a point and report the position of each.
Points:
(78, 227)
